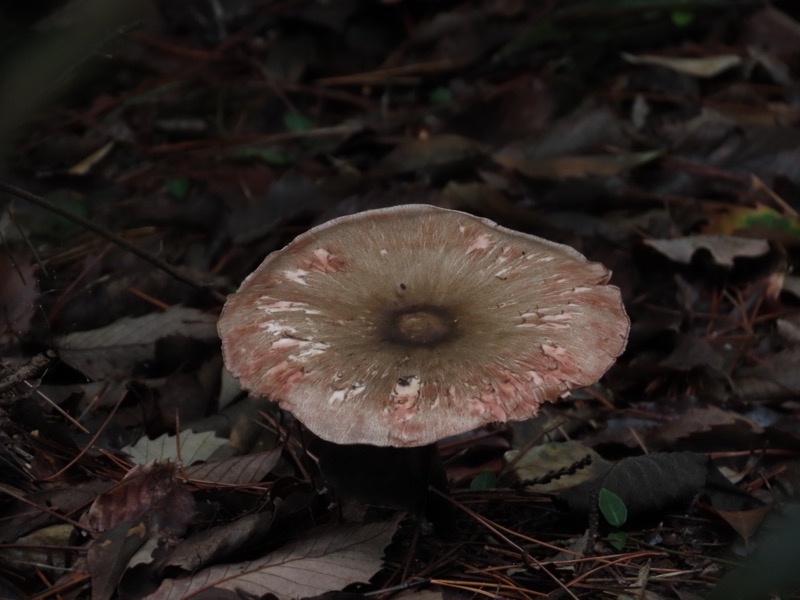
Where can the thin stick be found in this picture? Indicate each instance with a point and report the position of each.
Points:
(101, 231)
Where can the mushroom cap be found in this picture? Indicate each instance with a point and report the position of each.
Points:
(405, 325)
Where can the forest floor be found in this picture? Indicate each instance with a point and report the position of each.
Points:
(154, 153)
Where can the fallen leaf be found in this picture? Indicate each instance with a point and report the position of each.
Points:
(250, 468)
(427, 155)
(485, 199)
(723, 249)
(215, 544)
(773, 29)
(652, 483)
(336, 558)
(691, 352)
(152, 493)
(109, 556)
(776, 376)
(19, 294)
(760, 222)
(646, 484)
(744, 522)
(115, 350)
(573, 167)
(582, 132)
(791, 285)
(194, 447)
(286, 198)
(19, 521)
(40, 549)
(705, 419)
(708, 66)
(788, 327)
(548, 457)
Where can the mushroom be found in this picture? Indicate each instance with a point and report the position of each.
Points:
(406, 325)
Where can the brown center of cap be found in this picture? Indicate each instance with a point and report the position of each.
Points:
(420, 326)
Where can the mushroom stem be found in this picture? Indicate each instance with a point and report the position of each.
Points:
(398, 478)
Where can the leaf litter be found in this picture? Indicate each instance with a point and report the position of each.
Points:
(118, 349)
(325, 561)
(659, 138)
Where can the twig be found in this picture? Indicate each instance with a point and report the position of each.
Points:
(35, 367)
(101, 231)
(381, 75)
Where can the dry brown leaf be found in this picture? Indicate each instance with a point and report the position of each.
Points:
(250, 468)
(723, 249)
(314, 565)
(114, 351)
(744, 522)
(704, 419)
(151, 493)
(215, 544)
(574, 167)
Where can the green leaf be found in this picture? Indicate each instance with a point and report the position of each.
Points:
(768, 220)
(612, 507)
(617, 539)
(682, 18)
(483, 481)
(178, 187)
(295, 121)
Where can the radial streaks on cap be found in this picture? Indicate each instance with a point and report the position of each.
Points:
(403, 326)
